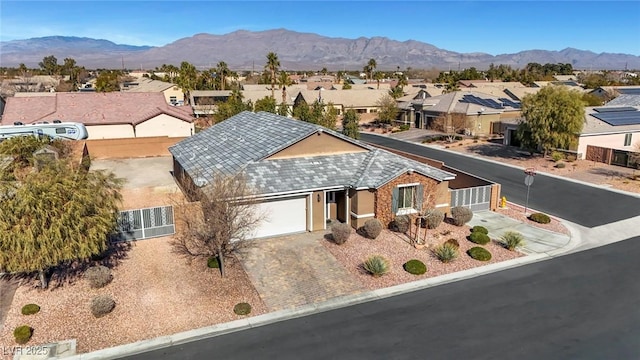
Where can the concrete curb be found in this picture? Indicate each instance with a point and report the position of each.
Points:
(305, 310)
(480, 157)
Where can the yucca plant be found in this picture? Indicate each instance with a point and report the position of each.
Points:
(376, 265)
(512, 239)
(446, 252)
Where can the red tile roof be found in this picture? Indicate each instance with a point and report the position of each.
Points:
(92, 108)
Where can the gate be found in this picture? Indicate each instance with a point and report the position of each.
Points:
(476, 198)
(145, 223)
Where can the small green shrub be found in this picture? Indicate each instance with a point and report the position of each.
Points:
(560, 165)
(415, 267)
(341, 233)
(242, 309)
(481, 229)
(540, 218)
(461, 215)
(432, 218)
(23, 334)
(400, 224)
(213, 263)
(30, 309)
(372, 228)
(446, 252)
(479, 253)
(557, 156)
(102, 305)
(453, 242)
(98, 276)
(512, 239)
(404, 127)
(479, 238)
(376, 265)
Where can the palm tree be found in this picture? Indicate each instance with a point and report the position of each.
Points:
(372, 66)
(222, 71)
(378, 75)
(273, 64)
(187, 78)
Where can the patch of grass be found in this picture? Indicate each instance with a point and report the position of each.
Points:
(415, 267)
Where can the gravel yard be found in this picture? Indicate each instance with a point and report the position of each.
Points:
(396, 248)
(156, 292)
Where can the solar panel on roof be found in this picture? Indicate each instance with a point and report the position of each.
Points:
(614, 109)
(619, 118)
(472, 99)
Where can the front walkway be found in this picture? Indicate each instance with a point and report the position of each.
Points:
(296, 270)
(536, 240)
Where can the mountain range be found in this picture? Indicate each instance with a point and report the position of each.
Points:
(246, 50)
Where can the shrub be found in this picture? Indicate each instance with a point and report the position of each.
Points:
(481, 229)
(404, 127)
(415, 267)
(22, 334)
(446, 252)
(560, 165)
(557, 156)
(212, 262)
(30, 309)
(479, 238)
(540, 218)
(102, 305)
(453, 242)
(432, 219)
(512, 239)
(376, 265)
(341, 232)
(479, 253)
(242, 309)
(400, 224)
(461, 215)
(98, 276)
(372, 228)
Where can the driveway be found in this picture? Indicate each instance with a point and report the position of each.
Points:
(295, 270)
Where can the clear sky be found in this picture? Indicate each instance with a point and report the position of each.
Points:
(494, 27)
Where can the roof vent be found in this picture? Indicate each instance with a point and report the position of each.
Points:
(18, 123)
(57, 121)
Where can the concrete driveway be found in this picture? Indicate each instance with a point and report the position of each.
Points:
(295, 270)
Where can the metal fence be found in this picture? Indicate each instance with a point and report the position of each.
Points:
(145, 223)
(476, 198)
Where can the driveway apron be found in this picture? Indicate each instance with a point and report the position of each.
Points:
(295, 270)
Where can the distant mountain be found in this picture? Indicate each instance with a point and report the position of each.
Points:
(296, 51)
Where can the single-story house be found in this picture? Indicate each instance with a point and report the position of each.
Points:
(111, 115)
(305, 174)
(172, 93)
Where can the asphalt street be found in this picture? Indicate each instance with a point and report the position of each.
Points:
(580, 306)
(581, 204)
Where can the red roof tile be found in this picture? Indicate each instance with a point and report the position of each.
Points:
(91, 108)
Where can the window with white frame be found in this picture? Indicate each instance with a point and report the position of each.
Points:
(407, 199)
(627, 139)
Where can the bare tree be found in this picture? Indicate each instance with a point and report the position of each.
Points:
(451, 124)
(218, 224)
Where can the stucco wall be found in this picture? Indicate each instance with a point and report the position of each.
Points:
(384, 195)
(362, 207)
(174, 91)
(130, 148)
(110, 131)
(164, 125)
(612, 141)
(318, 144)
(317, 208)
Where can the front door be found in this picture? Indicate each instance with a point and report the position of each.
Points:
(332, 210)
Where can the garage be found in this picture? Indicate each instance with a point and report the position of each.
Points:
(282, 216)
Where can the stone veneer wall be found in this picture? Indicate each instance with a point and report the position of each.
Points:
(384, 195)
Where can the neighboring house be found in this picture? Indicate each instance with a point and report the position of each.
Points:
(36, 83)
(610, 133)
(362, 101)
(204, 102)
(106, 115)
(172, 93)
(483, 113)
(305, 174)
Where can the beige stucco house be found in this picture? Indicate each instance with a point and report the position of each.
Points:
(106, 115)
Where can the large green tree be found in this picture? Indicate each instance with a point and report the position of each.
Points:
(108, 81)
(272, 66)
(54, 216)
(388, 109)
(552, 118)
(350, 121)
(267, 104)
(234, 105)
(49, 65)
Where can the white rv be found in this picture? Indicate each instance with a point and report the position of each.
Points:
(55, 130)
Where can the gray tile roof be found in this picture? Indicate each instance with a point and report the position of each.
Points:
(625, 100)
(241, 143)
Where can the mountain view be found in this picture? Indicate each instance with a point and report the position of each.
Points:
(296, 51)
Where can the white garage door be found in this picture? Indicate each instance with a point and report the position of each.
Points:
(282, 216)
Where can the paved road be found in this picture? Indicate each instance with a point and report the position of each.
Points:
(580, 204)
(580, 306)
